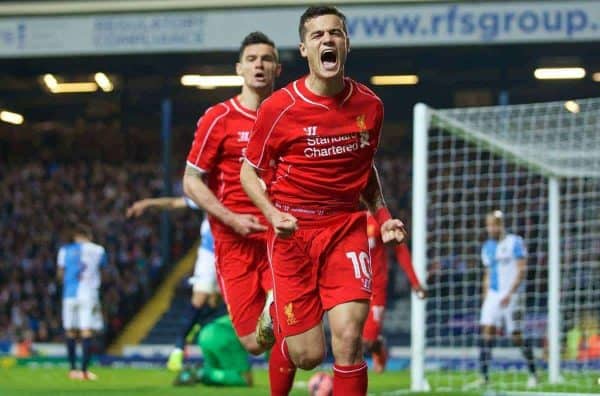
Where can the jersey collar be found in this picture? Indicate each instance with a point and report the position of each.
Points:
(326, 102)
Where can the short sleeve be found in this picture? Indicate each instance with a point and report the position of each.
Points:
(190, 204)
(207, 139)
(519, 249)
(61, 258)
(266, 137)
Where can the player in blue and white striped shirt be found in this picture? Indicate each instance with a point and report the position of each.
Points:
(504, 257)
(79, 268)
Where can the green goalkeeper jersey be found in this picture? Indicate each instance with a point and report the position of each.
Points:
(221, 347)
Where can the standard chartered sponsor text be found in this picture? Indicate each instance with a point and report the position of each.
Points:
(316, 145)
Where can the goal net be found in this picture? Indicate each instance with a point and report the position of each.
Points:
(540, 165)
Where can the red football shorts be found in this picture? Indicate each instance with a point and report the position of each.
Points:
(324, 264)
(244, 277)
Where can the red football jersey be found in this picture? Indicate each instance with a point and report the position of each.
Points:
(218, 150)
(322, 147)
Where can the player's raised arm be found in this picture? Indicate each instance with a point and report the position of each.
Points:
(392, 230)
(165, 203)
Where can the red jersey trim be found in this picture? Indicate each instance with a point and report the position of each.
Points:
(188, 163)
(262, 153)
(350, 91)
(208, 133)
(252, 164)
(365, 91)
(240, 110)
(304, 98)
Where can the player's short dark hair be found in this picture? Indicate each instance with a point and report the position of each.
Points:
(317, 11)
(81, 230)
(256, 38)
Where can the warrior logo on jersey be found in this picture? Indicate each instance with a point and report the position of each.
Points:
(311, 130)
(289, 313)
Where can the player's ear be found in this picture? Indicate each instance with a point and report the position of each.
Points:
(238, 68)
(278, 70)
(302, 49)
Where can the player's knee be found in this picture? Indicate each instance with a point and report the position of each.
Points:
(517, 338)
(199, 299)
(249, 343)
(487, 333)
(209, 338)
(87, 333)
(307, 358)
(348, 339)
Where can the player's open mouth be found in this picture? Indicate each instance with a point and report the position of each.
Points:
(329, 59)
(260, 76)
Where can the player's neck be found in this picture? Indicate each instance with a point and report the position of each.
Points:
(325, 86)
(80, 240)
(501, 235)
(251, 98)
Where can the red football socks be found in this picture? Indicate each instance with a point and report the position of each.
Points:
(350, 380)
(281, 370)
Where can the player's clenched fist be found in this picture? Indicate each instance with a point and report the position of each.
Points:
(245, 224)
(284, 224)
(393, 231)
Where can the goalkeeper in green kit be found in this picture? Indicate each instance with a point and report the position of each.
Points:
(225, 359)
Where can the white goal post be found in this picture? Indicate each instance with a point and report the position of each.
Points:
(540, 164)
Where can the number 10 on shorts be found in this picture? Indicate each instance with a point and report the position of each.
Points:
(362, 267)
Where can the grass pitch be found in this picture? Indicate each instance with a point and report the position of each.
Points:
(23, 381)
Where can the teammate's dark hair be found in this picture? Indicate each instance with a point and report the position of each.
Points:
(316, 11)
(256, 38)
(81, 230)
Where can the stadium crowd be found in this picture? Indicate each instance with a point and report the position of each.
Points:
(38, 201)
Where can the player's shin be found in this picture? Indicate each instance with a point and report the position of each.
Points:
(71, 352)
(86, 346)
(527, 351)
(350, 370)
(192, 316)
(485, 355)
(281, 369)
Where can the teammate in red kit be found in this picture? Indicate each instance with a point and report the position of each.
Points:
(321, 133)
(212, 181)
(372, 338)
